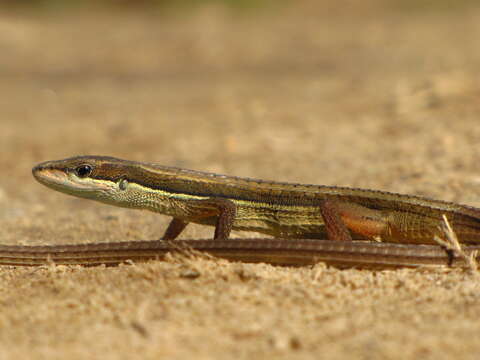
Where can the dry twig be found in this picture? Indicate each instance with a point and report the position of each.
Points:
(451, 243)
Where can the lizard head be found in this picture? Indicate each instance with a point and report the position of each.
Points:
(99, 178)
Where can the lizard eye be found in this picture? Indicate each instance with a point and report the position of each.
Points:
(83, 170)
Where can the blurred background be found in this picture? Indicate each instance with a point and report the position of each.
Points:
(379, 94)
(374, 93)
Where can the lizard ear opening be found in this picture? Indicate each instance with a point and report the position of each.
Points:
(123, 183)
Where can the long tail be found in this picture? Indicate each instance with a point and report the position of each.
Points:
(272, 251)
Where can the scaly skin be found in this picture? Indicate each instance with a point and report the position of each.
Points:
(284, 210)
(291, 211)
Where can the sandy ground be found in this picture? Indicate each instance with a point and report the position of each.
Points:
(373, 96)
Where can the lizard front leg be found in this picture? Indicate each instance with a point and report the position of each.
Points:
(224, 209)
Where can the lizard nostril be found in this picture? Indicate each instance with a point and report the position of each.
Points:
(38, 169)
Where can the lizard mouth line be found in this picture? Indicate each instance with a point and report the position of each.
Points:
(50, 177)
